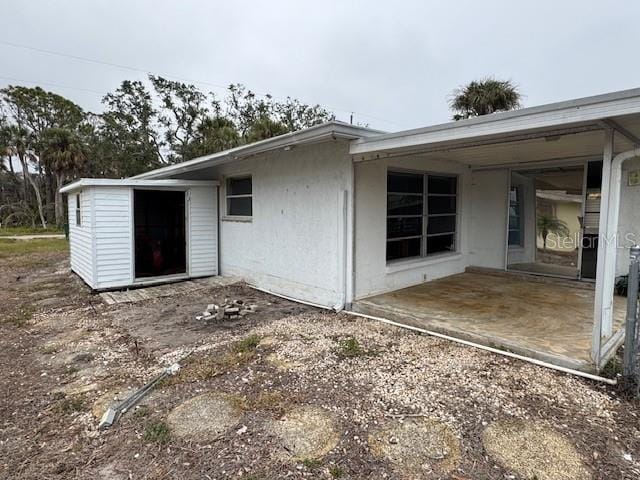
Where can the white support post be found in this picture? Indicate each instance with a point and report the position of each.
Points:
(602, 322)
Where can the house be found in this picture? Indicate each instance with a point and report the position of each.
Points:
(433, 227)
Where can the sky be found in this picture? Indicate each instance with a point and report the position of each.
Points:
(393, 64)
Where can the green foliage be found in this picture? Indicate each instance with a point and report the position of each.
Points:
(247, 344)
(157, 431)
(549, 224)
(143, 126)
(311, 463)
(11, 231)
(350, 348)
(336, 472)
(10, 248)
(484, 97)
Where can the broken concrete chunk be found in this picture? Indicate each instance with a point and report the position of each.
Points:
(232, 310)
(211, 307)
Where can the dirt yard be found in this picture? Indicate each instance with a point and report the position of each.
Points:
(286, 392)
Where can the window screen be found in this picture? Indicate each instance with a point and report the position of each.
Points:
(239, 197)
(78, 212)
(421, 214)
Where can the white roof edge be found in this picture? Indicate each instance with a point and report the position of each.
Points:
(308, 135)
(130, 182)
(587, 109)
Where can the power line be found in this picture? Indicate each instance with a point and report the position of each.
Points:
(149, 72)
(55, 85)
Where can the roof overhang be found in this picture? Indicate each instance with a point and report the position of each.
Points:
(550, 131)
(130, 182)
(326, 131)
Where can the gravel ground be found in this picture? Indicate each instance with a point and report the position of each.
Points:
(395, 404)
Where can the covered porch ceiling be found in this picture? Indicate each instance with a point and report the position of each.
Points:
(561, 131)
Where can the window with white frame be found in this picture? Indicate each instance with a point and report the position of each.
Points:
(239, 193)
(421, 214)
(78, 211)
(516, 238)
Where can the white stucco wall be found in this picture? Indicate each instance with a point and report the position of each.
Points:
(293, 244)
(372, 273)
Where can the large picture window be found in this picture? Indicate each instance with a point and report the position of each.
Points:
(239, 197)
(421, 214)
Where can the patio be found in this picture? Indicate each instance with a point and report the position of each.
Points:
(543, 318)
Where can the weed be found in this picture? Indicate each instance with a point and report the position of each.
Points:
(311, 463)
(156, 431)
(49, 348)
(612, 368)
(247, 344)
(21, 315)
(70, 405)
(140, 411)
(336, 472)
(350, 348)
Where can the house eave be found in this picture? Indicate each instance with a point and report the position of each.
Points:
(574, 115)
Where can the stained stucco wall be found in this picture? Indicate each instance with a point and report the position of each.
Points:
(372, 273)
(293, 244)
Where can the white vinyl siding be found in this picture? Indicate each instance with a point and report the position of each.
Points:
(80, 246)
(203, 232)
(113, 240)
(102, 248)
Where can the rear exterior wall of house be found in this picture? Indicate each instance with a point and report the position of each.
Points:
(294, 242)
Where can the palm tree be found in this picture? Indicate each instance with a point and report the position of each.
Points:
(548, 224)
(63, 152)
(482, 97)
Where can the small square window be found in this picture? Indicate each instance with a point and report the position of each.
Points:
(239, 197)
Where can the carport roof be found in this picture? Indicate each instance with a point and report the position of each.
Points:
(549, 131)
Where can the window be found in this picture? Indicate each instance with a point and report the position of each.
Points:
(421, 214)
(239, 197)
(78, 212)
(516, 238)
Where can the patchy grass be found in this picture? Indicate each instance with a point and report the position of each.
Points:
(247, 344)
(8, 231)
(20, 316)
(141, 411)
(350, 348)
(275, 402)
(311, 463)
(157, 431)
(336, 472)
(70, 405)
(11, 248)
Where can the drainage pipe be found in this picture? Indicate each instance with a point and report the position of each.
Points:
(540, 363)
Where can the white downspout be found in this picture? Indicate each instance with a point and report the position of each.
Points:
(610, 240)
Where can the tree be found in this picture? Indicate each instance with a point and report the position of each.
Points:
(263, 128)
(183, 111)
(64, 154)
(484, 97)
(21, 142)
(131, 122)
(214, 134)
(549, 224)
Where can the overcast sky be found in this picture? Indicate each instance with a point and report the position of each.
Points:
(392, 63)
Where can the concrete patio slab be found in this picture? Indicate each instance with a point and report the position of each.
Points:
(540, 318)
